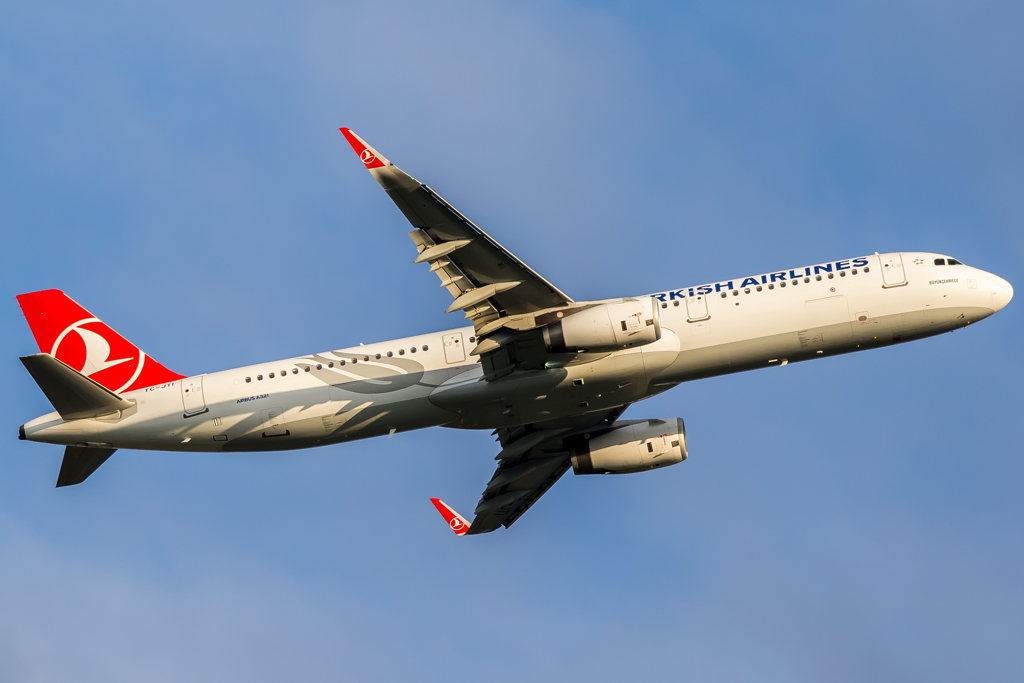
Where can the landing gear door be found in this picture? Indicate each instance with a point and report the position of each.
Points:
(697, 308)
(892, 270)
(454, 349)
(192, 395)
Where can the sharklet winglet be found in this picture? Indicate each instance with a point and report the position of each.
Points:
(456, 521)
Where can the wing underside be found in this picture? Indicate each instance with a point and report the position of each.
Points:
(532, 459)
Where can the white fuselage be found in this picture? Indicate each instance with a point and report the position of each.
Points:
(725, 327)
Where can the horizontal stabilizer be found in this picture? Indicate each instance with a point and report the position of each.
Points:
(79, 462)
(72, 394)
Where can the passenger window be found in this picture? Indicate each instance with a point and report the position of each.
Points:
(806, 280)
(366, 359)
(724, 295)
(746, 290)
(307, 368)
(259, 377)
(248, 379)
(830, 275)
(735, 292)
(842, 273)
(940, 261)
(782, 284)
(795, 282)
(664, 305)
(866, 269)
(390, 354)
(771, 286)
(424, 347)
(331, 364)
(271, 375)
(472, 339)
(759, 288)
(412, 350)
(341, 362)
(377, 356)
(401, 352)
(319, 367)
(818, 278)
(675, 303)
(854, 271)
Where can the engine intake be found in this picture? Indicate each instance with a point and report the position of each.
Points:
(633, 446)
(606, 327)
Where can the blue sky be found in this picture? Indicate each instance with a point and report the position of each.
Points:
(178, 170)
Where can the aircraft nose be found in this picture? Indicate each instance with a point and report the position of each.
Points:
(1001, 294)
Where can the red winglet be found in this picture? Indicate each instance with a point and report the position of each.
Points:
(456, 521)
(368, 155)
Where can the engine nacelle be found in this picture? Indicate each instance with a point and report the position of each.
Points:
(606, 327)
(633, 446)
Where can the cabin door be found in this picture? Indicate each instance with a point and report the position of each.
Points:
(892, 270)
(273, 425)
(192, 395)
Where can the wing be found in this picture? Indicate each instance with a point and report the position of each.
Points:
(485, 280)
(532, 459)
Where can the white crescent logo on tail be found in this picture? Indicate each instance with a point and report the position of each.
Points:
(456, 523)
(97, 352)
(366, 156)
(97, 349)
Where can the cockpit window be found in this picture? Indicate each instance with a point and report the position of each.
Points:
(953, 262)
(940, 261)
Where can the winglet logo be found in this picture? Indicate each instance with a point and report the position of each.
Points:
(459, 525)
(366, 155)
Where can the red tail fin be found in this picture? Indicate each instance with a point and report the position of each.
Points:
(75, 336)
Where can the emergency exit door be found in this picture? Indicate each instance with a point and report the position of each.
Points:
(192, 395)
(697, 308)
(454, 349)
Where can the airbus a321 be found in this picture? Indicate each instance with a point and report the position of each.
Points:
(549, 375)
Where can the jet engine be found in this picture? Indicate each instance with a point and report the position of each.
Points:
(633, 446)
(606, 327)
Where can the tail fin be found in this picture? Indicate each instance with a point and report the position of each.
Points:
(456, 521)
(76, 337)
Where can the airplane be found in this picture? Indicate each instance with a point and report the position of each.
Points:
(550, 376)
